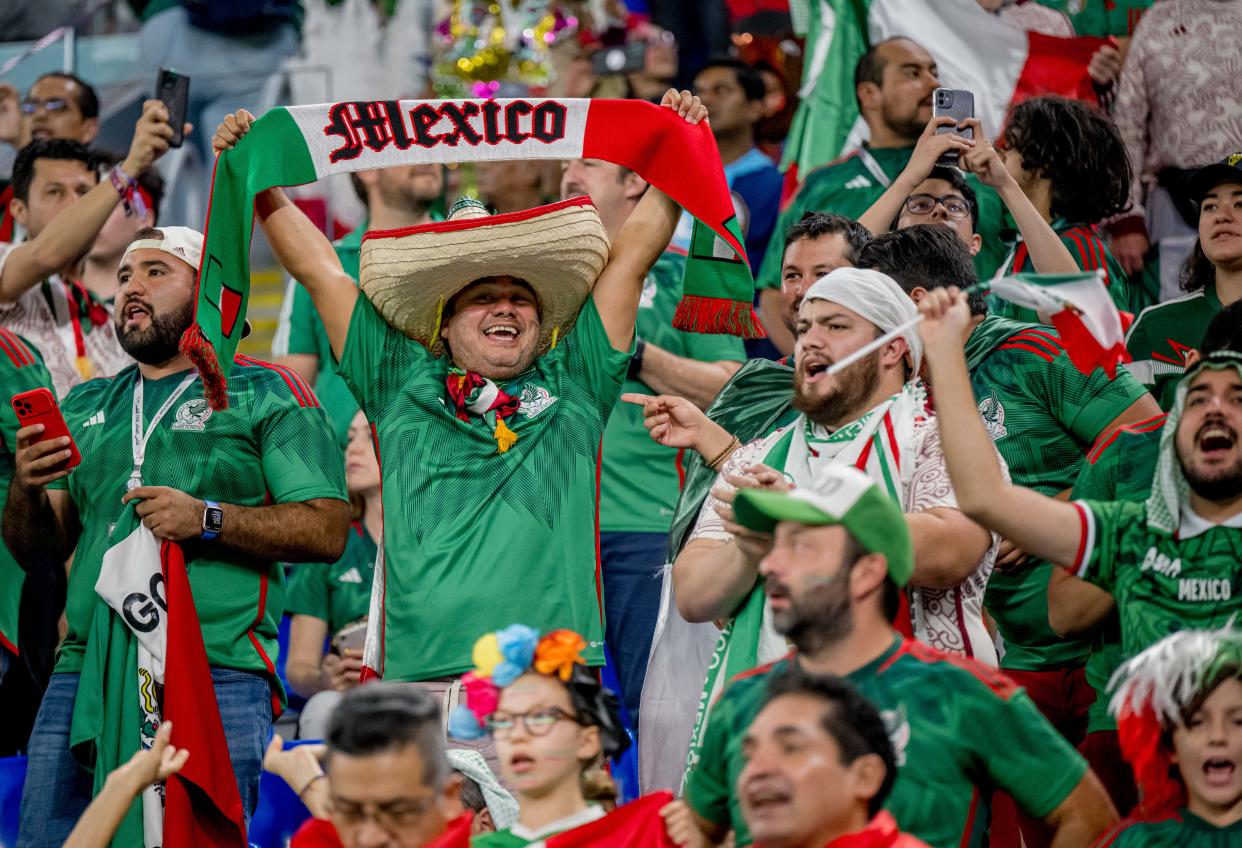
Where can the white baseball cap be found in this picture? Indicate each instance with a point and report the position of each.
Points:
(181, 243)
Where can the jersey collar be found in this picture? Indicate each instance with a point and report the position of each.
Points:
(1194, 524)
(590, 814)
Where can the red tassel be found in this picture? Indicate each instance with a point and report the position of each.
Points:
(718, 316)
(1141, 736)
(195, 346)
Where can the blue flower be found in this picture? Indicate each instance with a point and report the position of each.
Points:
(463, 725)
(506, 673)
(517, 645)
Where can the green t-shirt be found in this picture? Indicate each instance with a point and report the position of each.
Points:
(1161, 583)
(641, 480)
(300, 330)
(1162, 335)
(1091, 253)
(1120, 467)
(848, 188)
(1102, 18)
(475, 540)
(21, 369)
(338, 593)
(1179, 829)
(945, 716)
(1043, 414)
(272, 444)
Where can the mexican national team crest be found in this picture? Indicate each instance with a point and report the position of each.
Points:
(993, 417)
(192, 415)
(534, 400)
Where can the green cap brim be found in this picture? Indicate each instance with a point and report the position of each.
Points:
(761, 511)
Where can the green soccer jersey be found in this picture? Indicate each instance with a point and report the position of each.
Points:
(848, 188)
(945, 715)
(1179, 829)
(339, 593)
(300, 331)
(1161, 583)
(475, 539)
(641, 480)
(1120, 467)
(1102, 18)
(21, 369)
(273, 444)
(1161, 336)
(1043, 414)
(1091, 254)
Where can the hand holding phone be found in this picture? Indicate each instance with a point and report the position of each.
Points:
(46, 455)
(959, 105)
(173, 88)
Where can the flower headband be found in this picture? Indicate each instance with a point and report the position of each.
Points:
(501, 658)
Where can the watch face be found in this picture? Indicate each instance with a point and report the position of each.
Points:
(213, 519)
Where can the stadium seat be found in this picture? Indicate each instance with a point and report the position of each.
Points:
(280, 813)
(12, 776)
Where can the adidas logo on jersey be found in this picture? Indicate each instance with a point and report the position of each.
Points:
(351, 576)
(859, 182)
(97, 418)
(1161, 564)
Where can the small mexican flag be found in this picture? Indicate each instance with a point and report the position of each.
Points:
(1080, 308)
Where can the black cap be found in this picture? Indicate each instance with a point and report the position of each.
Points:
(1227, 170)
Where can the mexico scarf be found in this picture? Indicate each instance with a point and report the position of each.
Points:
(301, 144)
(882, 444)
(145, 662)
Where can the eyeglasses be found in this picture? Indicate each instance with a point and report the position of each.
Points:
(537, 722)
(396, 815)
(52, 105)
(925, 204)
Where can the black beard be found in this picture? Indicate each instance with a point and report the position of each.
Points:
(823, 619)
(856, 385)
(162, 340)
(1224, 486)
(907, 127)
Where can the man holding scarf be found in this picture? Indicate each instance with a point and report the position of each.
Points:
(874, 416)
(236, 491)
(488, 403)
(1170, 562)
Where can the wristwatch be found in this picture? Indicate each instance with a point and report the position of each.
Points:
(213, 520)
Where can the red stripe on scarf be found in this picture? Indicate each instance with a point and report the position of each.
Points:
(202, 804)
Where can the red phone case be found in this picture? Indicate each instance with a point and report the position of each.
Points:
(37, 406)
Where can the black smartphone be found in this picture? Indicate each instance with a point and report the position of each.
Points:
(959, 105)
(173, 88)
(620, 60)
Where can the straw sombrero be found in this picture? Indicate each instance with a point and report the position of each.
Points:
(559, 250)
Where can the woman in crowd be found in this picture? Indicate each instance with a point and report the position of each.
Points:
(334, 599)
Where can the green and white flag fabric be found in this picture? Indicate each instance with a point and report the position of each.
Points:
(301, 144)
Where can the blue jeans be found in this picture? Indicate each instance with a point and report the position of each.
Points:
(633, 565)
(58, 790)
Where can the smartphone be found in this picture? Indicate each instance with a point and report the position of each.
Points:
(37, 406)
(173, 88)
(351, 637)
(620, 60)
(959, 105)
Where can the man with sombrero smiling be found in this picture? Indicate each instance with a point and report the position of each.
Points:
(487, 352)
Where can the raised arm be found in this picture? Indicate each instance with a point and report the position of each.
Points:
(1043, 526)
(642, 239)
(880, 217)
(71, 233)
(1048, 253)
(301, 248)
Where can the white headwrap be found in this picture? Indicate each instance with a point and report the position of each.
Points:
(502, 805)
(874, 296)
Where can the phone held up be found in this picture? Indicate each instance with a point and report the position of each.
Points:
(959, 105)
(173, 88)
(37, 406)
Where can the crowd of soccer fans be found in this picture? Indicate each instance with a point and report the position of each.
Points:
(486, 550)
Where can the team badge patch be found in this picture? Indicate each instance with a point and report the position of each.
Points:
(192, 416)
(534, 400)
(993, 417)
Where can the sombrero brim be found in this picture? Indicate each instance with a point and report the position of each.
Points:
(559, 249)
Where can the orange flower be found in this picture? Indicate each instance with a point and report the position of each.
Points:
(558, 652)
